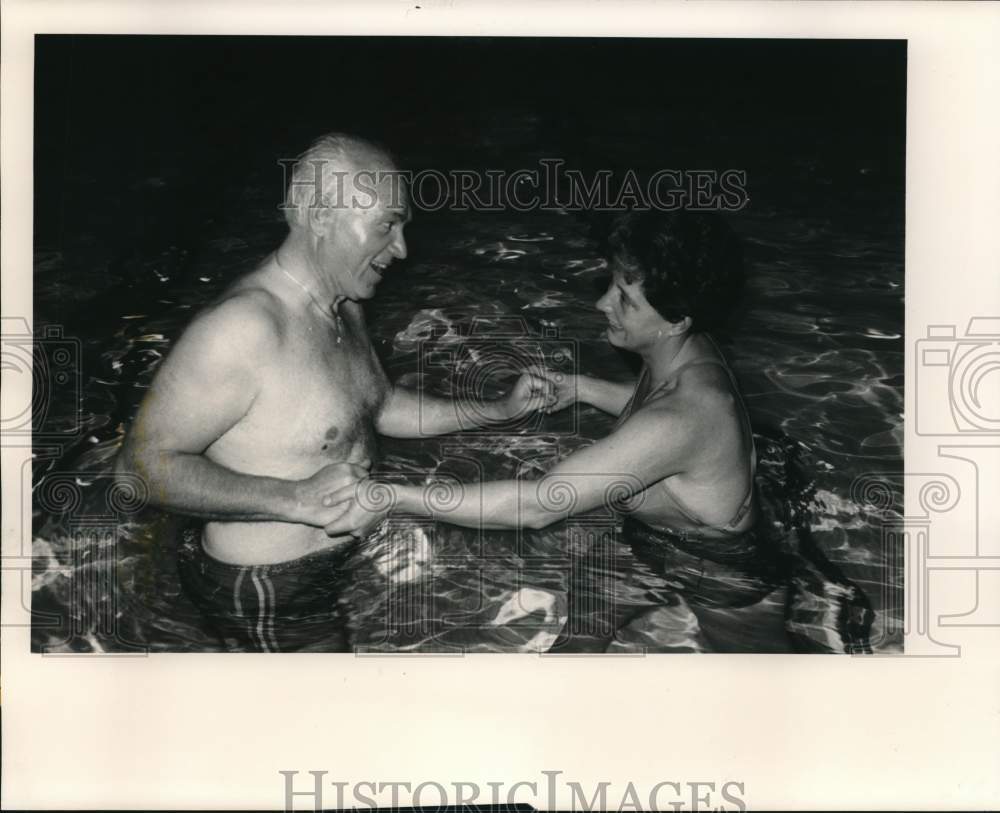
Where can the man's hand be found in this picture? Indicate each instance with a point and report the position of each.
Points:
(357, 520)
(564, 389)
(364, 504)
(532, 392)
(314, 497)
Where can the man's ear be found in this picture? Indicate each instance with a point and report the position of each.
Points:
(319, 217)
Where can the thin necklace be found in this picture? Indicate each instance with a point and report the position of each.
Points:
(667, 380)
(329, 313)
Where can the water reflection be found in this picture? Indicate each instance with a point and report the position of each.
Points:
(819, 355)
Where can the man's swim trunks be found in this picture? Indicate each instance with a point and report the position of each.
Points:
(287, 607)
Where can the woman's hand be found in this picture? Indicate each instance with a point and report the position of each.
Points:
(357, 521)
(565, 389)
(314, 498)
(533, 392)
(367, 501)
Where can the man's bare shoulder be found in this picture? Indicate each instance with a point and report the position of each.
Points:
(244, 322)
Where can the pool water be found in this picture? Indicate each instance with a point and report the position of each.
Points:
(818, 352)
(157, 182)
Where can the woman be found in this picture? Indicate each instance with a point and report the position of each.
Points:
(680, 461)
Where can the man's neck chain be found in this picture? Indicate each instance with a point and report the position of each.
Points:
(331, 315)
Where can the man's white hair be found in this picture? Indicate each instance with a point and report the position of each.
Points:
(323, 173)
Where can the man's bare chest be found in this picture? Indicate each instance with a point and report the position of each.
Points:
(317, 398)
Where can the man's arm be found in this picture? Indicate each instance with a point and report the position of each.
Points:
(207, 384)
(407, 413)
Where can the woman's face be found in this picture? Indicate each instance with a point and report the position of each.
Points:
(633, 324)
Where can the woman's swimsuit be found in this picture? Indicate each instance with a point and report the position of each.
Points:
(715, 566)
(712, 565)
(641, 396)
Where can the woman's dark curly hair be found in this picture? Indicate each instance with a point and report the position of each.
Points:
(689, 263)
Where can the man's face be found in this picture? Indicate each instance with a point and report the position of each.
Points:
(366, 235)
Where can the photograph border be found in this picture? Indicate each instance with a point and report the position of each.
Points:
(203, 731)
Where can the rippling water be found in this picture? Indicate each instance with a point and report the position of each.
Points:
(819, 354)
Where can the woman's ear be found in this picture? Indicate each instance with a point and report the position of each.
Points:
(680, 327)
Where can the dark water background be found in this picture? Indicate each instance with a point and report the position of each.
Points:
(156, 183)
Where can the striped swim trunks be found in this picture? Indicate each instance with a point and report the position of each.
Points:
(292, 606)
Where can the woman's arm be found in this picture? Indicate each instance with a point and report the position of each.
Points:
(651, 445)
(608, 396)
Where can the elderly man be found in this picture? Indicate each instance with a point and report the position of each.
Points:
(271, 401)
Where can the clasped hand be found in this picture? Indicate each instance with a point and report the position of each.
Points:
(327, 500)
(540, 390)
